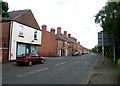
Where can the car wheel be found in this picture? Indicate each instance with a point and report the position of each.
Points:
(30, 63)
(42, 61)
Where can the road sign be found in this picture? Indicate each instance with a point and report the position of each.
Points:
(104, 38)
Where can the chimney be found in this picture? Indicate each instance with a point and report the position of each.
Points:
(59, 30)
(75, 39)
(69, 35)
(52, 30)
(65, 33)
(44, 27)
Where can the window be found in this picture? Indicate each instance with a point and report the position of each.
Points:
(21, 31)
(21, 49)
(64, 44)
(5, 45)
(35, 35)
(58, 43)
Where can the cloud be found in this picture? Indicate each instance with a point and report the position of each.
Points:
(62, 2)
(74, 16)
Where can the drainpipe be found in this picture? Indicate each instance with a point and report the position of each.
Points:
(10, 38)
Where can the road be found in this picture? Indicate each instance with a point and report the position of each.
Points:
(58, 70)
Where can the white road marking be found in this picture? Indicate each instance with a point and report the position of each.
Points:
(86, 62)
(73, 59)
(60, 64)
(31, 72)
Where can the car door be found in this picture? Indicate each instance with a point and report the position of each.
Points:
(35, 58)
(38, 58)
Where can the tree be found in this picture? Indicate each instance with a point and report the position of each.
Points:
(109, 19)
(4, 9)
(95, 49)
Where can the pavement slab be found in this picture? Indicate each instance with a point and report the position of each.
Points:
(104, 73)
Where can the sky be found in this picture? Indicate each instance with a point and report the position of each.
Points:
(74, 16)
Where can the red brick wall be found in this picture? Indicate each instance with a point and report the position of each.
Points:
(60, 44)
(70, 48)
(5, 41)
(5, 33)
(60, 48)
(49, 45)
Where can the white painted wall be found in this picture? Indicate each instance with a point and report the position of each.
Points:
(28, 33)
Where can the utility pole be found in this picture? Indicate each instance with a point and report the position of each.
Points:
(114, 50)
(102, 48)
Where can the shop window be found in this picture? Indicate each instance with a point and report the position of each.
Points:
(21, 49)
(34, 49)
(35, 35)
(21, 31)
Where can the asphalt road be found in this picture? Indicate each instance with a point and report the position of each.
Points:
(58, 70)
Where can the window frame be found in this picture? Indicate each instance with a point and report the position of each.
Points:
(21, 31)
(35, 35)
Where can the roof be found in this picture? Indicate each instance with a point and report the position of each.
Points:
(58, 37)
(25, 17)
(69, 39)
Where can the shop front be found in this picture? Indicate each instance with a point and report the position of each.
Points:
(23, 49)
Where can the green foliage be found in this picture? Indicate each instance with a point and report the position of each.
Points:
(109, 19)
(6, 14)
(4, 7)
(110, 53)
(118, 66)
(95, 49)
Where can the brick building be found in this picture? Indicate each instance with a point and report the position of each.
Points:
(52, 44)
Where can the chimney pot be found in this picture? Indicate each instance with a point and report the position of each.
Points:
(69, 35)
(65, 33)
(59, 30)
(44, 27)
(52, 30)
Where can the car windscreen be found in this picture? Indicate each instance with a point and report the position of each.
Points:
(35, 54)
(23, 55)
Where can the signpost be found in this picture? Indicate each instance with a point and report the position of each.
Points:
(103, 41)
(102, 48)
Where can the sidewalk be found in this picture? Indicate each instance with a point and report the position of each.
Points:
(104, 73)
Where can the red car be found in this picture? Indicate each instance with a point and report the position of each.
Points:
(30, 59)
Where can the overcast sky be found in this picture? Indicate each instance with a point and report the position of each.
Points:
(74, 16)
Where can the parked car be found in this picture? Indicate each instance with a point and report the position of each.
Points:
(75, 54)
(83, 53)
(30, 59)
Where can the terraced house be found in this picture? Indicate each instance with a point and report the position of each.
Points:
(21, 34)
(58, 44)
(52, 44)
